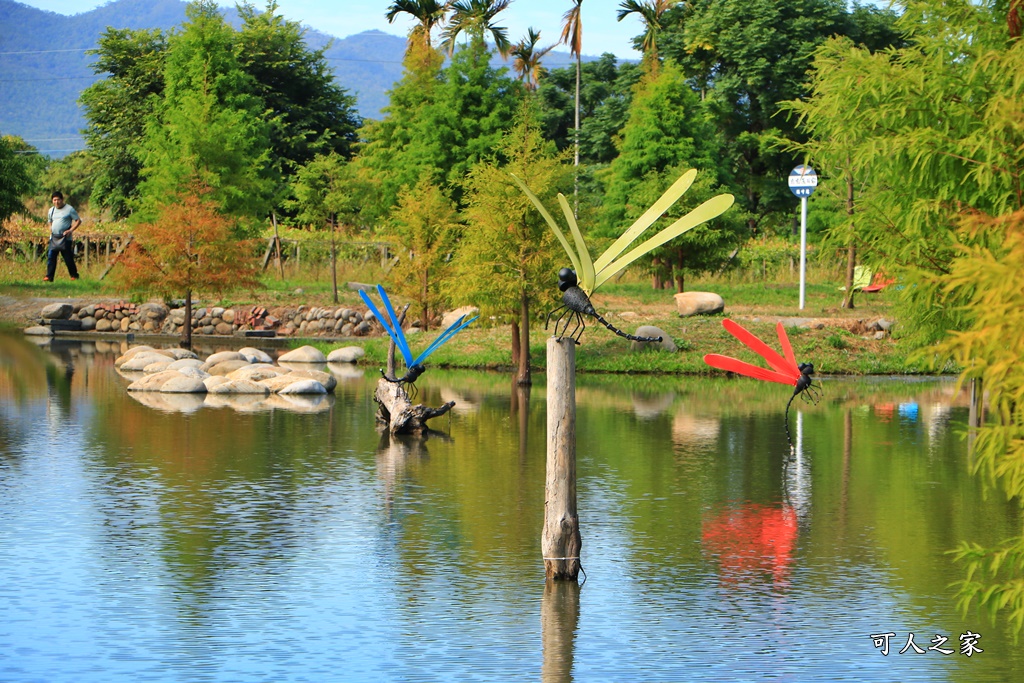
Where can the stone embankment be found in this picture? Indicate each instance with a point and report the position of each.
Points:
(158, 318)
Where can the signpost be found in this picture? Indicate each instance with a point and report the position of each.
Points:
(802, 182)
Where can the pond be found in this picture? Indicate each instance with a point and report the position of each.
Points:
(291, 542)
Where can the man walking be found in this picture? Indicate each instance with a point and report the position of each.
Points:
(63, 221)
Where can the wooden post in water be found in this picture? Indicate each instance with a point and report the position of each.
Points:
(560, 538)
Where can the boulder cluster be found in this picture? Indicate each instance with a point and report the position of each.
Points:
(158, 318)
(246, 371)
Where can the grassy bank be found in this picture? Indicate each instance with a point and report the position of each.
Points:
(838, 346)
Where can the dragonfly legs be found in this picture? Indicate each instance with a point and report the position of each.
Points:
(812, 394)
(577, 331)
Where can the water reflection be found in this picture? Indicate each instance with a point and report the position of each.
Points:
(243, 542)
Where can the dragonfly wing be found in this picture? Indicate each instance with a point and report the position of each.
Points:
(551, 222)
(452, 330)
(399, 335)
(587, 266)
(712, 208)
(787, 348)
(652, 214)
(777, 362)
(746, 369)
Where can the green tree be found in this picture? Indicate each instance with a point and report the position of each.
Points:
(651, 13)
(312, 113)
(423, 230)
(476, 19)
(745, 57)
(604, 106)
(389, 142)
(572, 35)
(15, 179)
(830, 117)
(208, 127)
(526, 59)
(324, 193)
(74, 175)
(507, 259)
(939, 130)
(428, 14)
(116, 109)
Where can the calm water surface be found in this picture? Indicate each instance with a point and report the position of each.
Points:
(288, 541)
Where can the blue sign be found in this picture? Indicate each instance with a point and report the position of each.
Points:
(802, 181)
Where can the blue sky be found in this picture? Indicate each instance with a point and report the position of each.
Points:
(601, 31)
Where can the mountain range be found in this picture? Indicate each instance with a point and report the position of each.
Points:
(44, 66)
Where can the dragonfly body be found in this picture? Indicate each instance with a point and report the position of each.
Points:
(577, 304)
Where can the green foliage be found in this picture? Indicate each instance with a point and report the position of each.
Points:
(605, 95)
(668, 133)
(324, 190)
(208, 127)
(116, 109)
(508, 251)
(311, 113)
(423, 230)
(15, 179)
(74, 175)
(746, 57)
(666, 129)
(439, 124)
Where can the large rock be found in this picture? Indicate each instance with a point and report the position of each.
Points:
(183, 385)
(304, 354)
(185, 363)
(225, 367)
(666, 343)
(239, 386)
(347, 354)
(130, 353)
(153, 382)
(60, 311)
(140, 361)
(698, 303)
(256, 372)
(223, 356)
(304, 386)
(255, 355)
(451, 316)
(39, 331)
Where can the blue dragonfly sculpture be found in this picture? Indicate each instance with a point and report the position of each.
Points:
(413, 366)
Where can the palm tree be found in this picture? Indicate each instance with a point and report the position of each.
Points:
(476, 18)
(572, 35)
(650, 12)
(526, 58)
(429, 13)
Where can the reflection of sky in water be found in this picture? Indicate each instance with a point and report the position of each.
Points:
(330, 554)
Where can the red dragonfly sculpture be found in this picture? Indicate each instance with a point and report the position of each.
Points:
(784, 368)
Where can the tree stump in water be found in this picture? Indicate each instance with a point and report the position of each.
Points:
(398, 414)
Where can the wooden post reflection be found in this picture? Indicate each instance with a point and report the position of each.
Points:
(559, 614)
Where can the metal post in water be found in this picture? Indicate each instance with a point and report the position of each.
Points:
(560, 538)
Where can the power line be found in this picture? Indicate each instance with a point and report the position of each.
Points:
(43, 52)
(56, 78)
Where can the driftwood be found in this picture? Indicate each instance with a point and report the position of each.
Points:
(397, 414)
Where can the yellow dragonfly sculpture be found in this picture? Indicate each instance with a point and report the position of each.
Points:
(579, 283)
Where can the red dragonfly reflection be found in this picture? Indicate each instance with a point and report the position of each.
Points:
(752, 540)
